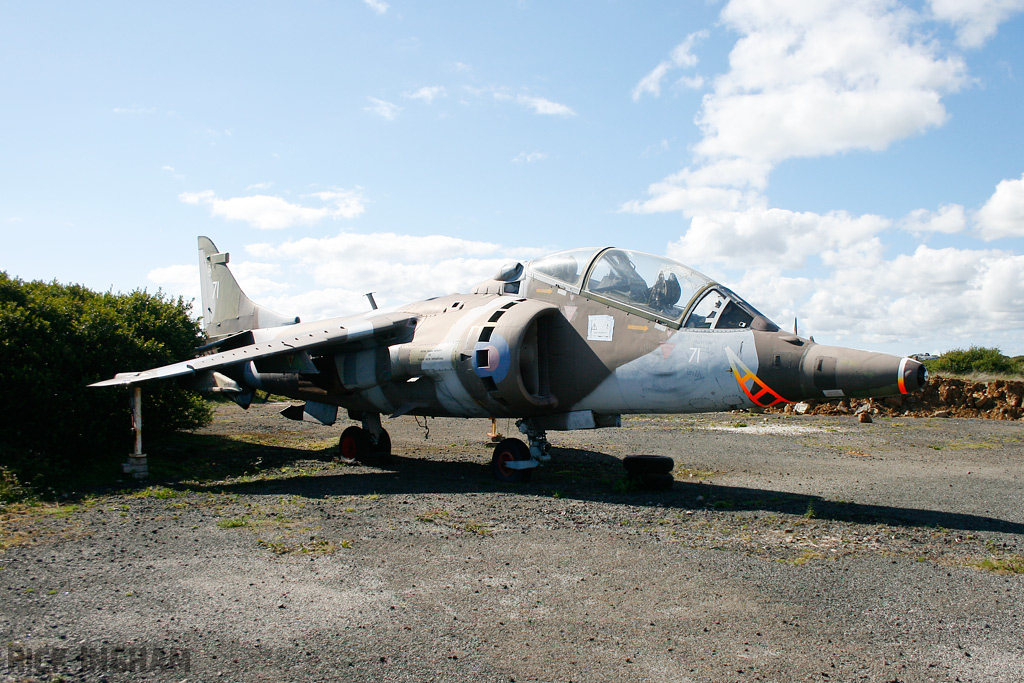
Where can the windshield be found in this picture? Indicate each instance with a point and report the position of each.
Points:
(652, 283)
(564, 266)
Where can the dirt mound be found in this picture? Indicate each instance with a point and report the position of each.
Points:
(943, 397)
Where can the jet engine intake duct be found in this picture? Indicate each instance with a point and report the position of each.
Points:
(510, 356)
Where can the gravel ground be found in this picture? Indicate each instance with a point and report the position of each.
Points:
(789, 548)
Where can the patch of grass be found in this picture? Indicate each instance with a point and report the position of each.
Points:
(160, 492)
(692, 473)
(434, 515)
(234, 522)
(274, 546)
(739, 425)
(479, 529)
(1013, 564)
(626, 485)
(804, 558)
(973, 445)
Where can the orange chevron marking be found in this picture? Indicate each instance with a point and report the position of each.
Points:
(749, 382)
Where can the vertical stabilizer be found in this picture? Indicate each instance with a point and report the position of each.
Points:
(226, 308)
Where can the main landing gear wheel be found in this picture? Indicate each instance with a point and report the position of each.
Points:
(356, 445)
(510, 450)
(650, 472)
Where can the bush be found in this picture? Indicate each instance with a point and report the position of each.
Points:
(54, 340)
(975, 360)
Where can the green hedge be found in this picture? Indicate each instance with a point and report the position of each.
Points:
(54, 340)
(975, 360)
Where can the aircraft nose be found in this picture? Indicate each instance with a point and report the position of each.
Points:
(835, 372)
(913, 376)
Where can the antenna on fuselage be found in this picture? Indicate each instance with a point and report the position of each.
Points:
(373, 304)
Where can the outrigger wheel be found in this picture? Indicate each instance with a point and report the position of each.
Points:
(508, 451)
(356, 445)
(651, 472)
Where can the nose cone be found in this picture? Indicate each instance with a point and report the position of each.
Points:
(835, 372)
(798, 369)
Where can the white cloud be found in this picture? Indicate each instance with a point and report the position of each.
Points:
(399, 268)
(975, 20)
(758, 237)
(949, 219)
(428, 93)
(178, 280)
(546, 107)
(268, 212)
(134, 109)
(1003, 214)
(529, 158)
(826, 78)
(378, 6)
(541, 105)
(681, 56)
(821, 78)
(382, 108)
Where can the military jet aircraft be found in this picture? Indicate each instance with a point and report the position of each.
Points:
(568, 341)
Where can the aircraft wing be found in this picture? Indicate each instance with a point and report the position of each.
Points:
(381, 329)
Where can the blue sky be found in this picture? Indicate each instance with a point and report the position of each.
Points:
(858, 164)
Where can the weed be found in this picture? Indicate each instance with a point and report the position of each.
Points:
(435, 515)
(810, 513)
(274, 546)
(999, 565)
(479, 529)
(626, 485)
(739, 425)
(11, 490)
(161, 492)
(345, 543)
(234, 522)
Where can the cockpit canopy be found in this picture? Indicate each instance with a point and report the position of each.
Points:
(652, 286)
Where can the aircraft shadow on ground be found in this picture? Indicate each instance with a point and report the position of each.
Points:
(573, 474)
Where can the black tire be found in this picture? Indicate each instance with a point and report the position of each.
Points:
(354, 445)
(656, 482)
(508, 450)
(639, 465)
(380, 452)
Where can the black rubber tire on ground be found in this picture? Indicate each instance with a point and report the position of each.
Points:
(508, 450)
(656, 482)
(380, 453)
(354, 445)
(639, 465)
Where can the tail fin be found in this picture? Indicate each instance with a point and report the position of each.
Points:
(226, 308)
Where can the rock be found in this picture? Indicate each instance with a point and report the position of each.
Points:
(941, 413)
(865, 417)
(801, 408)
